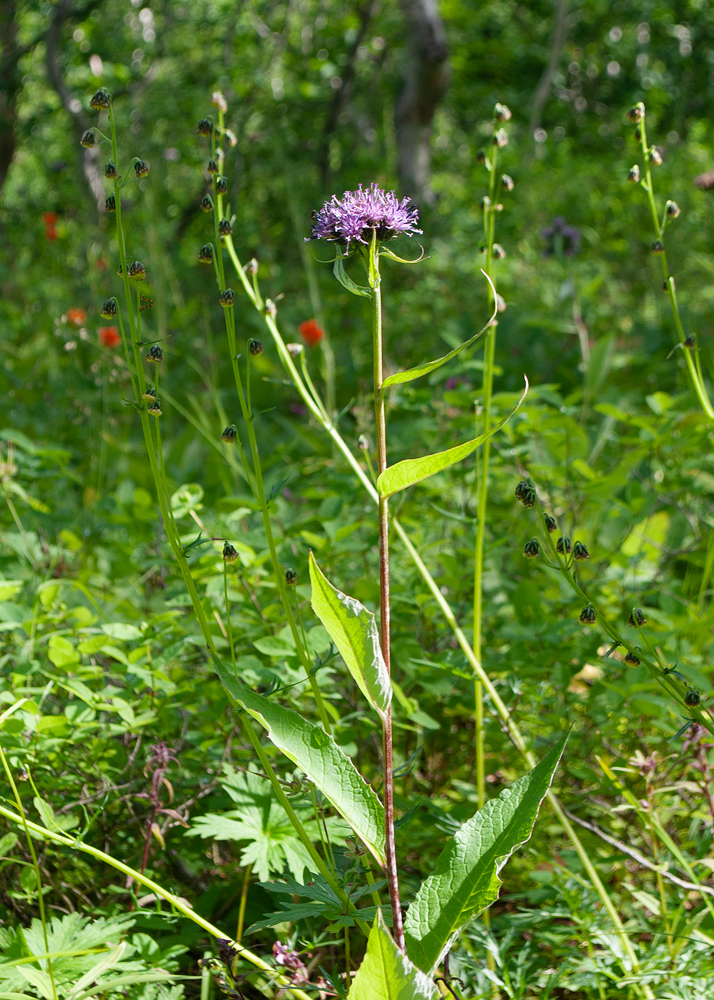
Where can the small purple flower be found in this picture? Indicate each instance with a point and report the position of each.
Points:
(355, 216)
(560, 238)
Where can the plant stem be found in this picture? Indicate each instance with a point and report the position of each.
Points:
(243, 901)
(483, 463)
(384, 609)
(695, 373)
(27, 826)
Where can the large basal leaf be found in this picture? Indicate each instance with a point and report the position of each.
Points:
(317, 754)
(430, 366)
(414, 470)
(353, 630)
(386, 974)
(465, 880)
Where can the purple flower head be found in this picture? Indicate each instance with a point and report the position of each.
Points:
(357, 214)
(560, 238)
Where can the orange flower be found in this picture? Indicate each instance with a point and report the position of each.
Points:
(50, 218)
(76, 316)
(109, 336)
(311, 332)
(50, 233)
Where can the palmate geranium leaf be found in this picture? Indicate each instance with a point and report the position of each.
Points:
(317, 754)
(429, 366)
(413, 470)
(386, 974)
(465, 880)
(353, 630)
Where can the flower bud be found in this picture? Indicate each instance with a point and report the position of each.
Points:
(563, 545)
(550, 523)
(221, 185)
(363, 442)
(636, 618)
(137, 271)
(141, 169)
(588, 616)
(500, 138)
(252, 266)
(655, 156)
(102, 99)
(501, 113)
(290, 577)
(690, 342)
(485, 202)
(230, 434)
(207, 203)
(219, 101)
(525, 492)
(631, 659)
(227, 298)
(229, 553)
(498, 252)
(481, 156)
(634, 175)
(155, 354)
(110, 171)
(580, 552)
(224, 228)
(673, 209)
(658, 246)
(205, 127)
(507, 182)
(205, 254)
(692, 698)
(212, 167)
(149, 393)
(154, 408)
(270, 309)
(637, 113)
(110, 205)
(109, 309)
(295, 349)
(255, 347)
(89, 139)
(531, 549)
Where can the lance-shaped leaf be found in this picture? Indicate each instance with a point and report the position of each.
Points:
(338, 269)
(414, 470)
(465, 880)
(386, 974)
(353, 630)
(317, 754)
(430, 366)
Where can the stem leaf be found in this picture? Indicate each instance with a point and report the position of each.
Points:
(317, 754)
(465, 880)
(338, 269)
(429, 366)
(386, 974)
(413, 470)
(353, 630)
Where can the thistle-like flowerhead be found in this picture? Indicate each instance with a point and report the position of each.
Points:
(355, 216)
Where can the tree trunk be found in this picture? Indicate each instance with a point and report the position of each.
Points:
(427, 80)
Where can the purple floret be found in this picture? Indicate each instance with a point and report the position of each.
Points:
(354, 217)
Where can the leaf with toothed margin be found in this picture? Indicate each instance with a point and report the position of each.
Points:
(317, 754)
(386, 974)
(414, 470)
(465, 880)
(353, 630)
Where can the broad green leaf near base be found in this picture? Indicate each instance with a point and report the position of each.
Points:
(386, 974)
(429, 366)
(465, 880)
(413, 470)
(317, 754)
(353, 630)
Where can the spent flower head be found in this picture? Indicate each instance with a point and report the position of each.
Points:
(357, 215)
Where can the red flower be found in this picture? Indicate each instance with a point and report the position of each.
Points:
(76, 316)
(109, 336)
(50, 218)
(311, 332)
(50, 233)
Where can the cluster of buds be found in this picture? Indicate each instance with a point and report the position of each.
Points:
(525, 492)
(101, 100)
(692, 698)
(137, 271)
